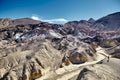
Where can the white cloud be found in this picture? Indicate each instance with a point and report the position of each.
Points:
(35, 18)
(58, 20)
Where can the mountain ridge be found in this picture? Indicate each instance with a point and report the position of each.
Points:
(109, 22)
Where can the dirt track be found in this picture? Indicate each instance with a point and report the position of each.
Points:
(70, 71)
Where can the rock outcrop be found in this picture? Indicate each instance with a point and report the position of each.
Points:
(4, 22)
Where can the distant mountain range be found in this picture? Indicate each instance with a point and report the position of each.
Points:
(107, 23)
(110, 22)
(107, 26)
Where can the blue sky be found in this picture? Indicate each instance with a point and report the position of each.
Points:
(58, 10)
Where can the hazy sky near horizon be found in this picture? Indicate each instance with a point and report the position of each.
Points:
(58, 10)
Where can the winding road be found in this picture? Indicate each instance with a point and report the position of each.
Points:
(70, 71)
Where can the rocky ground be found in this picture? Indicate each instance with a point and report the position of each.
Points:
(77, 50)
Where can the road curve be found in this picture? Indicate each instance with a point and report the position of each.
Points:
(71, 70)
